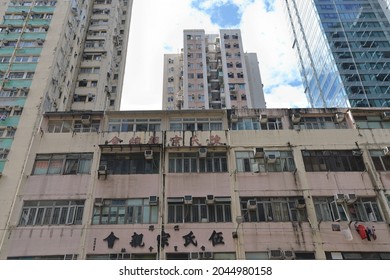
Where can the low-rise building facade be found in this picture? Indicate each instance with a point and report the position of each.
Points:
(215, 184)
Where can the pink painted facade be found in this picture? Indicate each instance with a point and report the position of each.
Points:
(202, 202)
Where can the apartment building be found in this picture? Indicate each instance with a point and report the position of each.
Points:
(197, 184)
(343, 51)
(54, 56)
(212, 72)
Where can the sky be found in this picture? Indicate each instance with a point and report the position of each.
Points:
(157, 28)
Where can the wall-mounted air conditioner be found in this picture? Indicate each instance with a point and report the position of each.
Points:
(194, 256)
(102, 171)
(148, 154)
(202, 152)
(357, 153)
(271, 158)
(386, 151)
(251, 205)
(209, 199)
(263, 118)
(259, 152)
(234, 118)
(275, 254)
(289, 255)
(339, 197)
(300, 203)
(86, 119)
(188, 199)
(385, 116)
(296, 118)
(339, 117)
(153, 200)
(350, 198)
(99, 202)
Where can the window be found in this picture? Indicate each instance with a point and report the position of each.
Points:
(3, 153)
(244, 161)
(67, 164)
(130, 163)
(126, 125)
(364, 122)
(282, 161)
(52, 212)
(195, 124)
(199, 211)
(321, 123)
(337, 160)
(381, 161)
(327, 209)
(59, 126)
(272, 209)
(255, 124)
(79, 126)
(365, 210)
(125, 211)
(191, 163)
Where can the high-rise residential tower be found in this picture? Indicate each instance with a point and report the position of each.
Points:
(212, 72)
(55, 56)
(343, 49)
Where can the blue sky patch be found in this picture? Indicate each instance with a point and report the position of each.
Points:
(224, 15)
(295, 83)
(269, 5)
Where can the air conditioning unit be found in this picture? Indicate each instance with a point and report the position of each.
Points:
(194, 256)
(99, 202)
(350, 198)
(102, 171)
(300, 203)
(386, 151)
(357, 153)
(202, 152)
(188, 199)
(271, 158)
(209, 199)
(207, 255)
(339, 117)
(251, 205)
(153, 200)
(148, 154)
(8, 108)
(86, 119)
(10, 128)
(255, 168)
(289, 255)
(263, 118)
(259, 152)
(339, 197)
(296, 118)
(17, 108)
(275, 254)
(385, 116)
(234, 118)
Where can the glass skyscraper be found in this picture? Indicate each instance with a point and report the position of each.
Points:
(343, 48)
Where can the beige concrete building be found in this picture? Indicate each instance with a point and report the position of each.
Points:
(54, 56)
(212, 72)
(197, 184)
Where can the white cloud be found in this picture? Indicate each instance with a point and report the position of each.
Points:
(158, 25)
(286, 96)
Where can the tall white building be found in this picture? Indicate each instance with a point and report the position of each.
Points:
(55, 56)
(212, 72)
